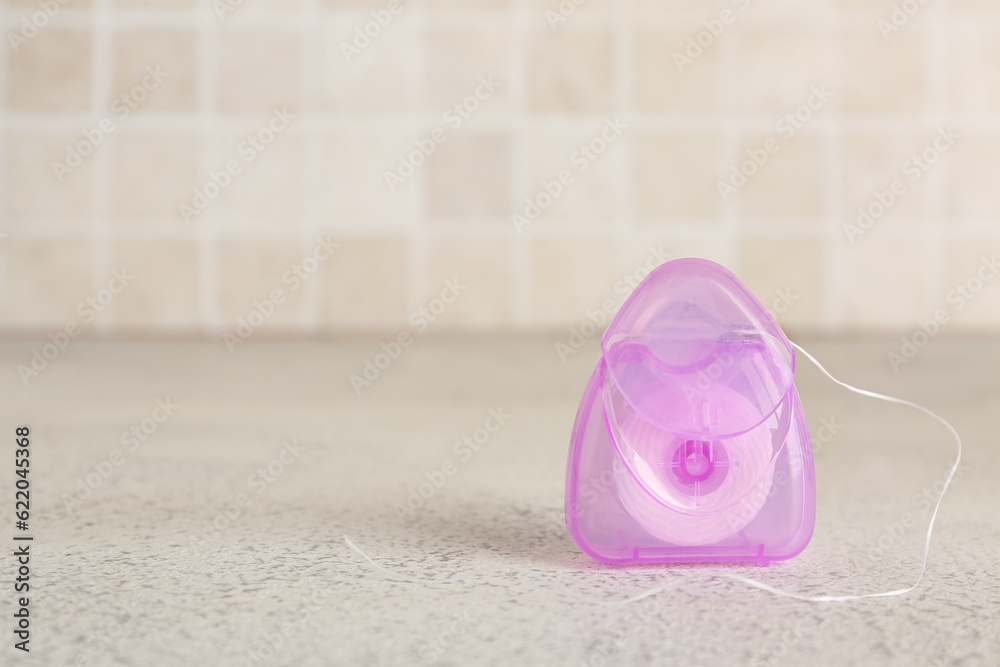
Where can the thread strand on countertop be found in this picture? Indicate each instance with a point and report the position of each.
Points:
(677, 580)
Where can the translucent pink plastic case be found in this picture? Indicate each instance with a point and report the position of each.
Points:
(690, 443)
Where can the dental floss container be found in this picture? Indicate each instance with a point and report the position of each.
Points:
(690, 443)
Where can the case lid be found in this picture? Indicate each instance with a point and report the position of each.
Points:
(680, 346)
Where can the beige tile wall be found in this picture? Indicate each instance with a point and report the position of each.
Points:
(262, 188)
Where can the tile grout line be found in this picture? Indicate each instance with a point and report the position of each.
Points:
(418, 242)
(623, 36)
(935, 237)
(207, 231)
(730, 222)
(792, 228)
(312, 29)
(5, 302)
(255, 18)
(101, 91)
(831, 248)
(167, 122)
(520, 290)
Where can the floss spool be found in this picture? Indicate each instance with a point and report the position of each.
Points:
(690, 443)
(700, 475)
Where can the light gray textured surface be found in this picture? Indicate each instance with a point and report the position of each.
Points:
(134, 574)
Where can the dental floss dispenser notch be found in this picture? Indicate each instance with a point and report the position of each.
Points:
(690, 443)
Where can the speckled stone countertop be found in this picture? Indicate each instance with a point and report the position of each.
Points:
(190, 507)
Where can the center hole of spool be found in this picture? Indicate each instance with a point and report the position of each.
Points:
(694, 459)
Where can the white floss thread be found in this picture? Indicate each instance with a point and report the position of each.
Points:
(677, 580)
